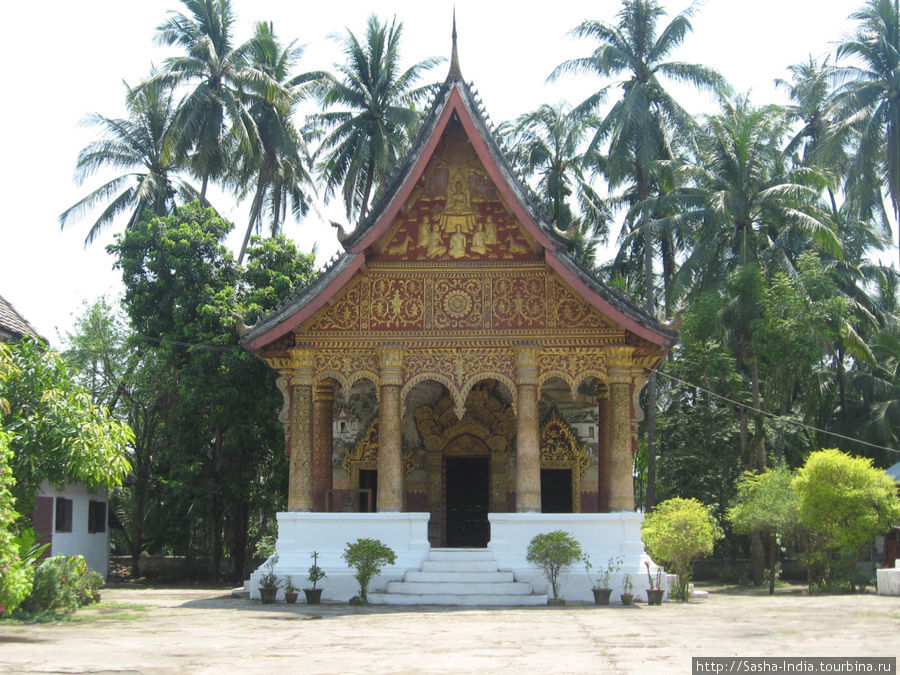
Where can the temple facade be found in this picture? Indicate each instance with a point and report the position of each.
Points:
(455, 372)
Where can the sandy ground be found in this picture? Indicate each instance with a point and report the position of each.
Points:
(199, 631)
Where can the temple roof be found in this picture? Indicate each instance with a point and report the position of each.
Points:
(454, 101)
(13, 325)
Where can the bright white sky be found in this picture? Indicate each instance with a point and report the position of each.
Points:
(66, 59)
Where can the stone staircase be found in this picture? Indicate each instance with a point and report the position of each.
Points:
(458, 576)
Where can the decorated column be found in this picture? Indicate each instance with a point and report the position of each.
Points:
(301, 430)
(621, 462)
(323, 415)
(603, 464)
(390, 464)
(528, 453)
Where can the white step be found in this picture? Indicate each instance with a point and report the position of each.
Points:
(497, 577)
(443, 587)
(459, 566)
(468, 600)
(455, 554)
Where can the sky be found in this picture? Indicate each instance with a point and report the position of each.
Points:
(64, 60)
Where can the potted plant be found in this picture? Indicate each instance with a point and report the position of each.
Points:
(314, 594)
(269, 582)
(552, 552)
(600, 586)
(627, 587)
(290, 591)
(655, 592)
(367, 557)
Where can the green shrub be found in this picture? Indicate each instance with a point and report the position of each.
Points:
(678, 531)
(16, 573)
(62, 584)
(552, 552)
(368, 557)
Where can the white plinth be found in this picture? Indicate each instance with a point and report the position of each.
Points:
(888, 581)
(301, 533)
(601, 535)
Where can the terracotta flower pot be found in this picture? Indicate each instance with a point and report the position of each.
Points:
(601, 595)
(290, 597)
(627, 598)
(267, 595)
(313, 595)
(655, 596)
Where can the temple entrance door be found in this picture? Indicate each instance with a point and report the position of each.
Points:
(556, 491)
(468, 499)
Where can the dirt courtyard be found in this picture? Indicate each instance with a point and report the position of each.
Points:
(198, 631)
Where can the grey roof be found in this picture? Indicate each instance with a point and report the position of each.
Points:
(13, 325)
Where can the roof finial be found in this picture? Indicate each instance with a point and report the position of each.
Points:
(455, 74)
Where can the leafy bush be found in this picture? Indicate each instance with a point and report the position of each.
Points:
(368, 557)
(62, 584)
(552, 552)
(843, 502)
(16, 574)
(678, 531)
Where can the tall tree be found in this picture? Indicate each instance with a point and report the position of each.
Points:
(547, 143)
(637, 128)
(275, 170)
(142, 145)
(213, 115)
(868, 102)
(376, 115)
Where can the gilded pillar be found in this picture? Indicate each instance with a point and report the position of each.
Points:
(390, 464)
(528, 453)
(603, 463)
(323, 415)
(621, 462)
(301, 430)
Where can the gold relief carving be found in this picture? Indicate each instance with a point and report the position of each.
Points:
(519, 302)
(527, 364)
(573, 366)
(363, 455)
(344, 315)
(568, 310)
(300, 480)
(390, 365)
(619, 364)
(457, 302)
(285, 415)
(345, 366)
(561, 449)
(397, 303)
(640, 381)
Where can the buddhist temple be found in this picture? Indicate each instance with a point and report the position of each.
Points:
(455, 379)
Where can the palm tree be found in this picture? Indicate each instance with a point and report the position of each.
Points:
(547, 142)
(637, 127)
(868, 102)
(142, 145)
(275, 170)
(364, 142)
(212, 116)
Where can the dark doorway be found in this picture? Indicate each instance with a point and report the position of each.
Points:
(556, 491)
(468, 497)
(368, 490)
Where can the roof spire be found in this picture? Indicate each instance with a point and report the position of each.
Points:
(455, 75)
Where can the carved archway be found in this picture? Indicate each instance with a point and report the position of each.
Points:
(363, 456)
(561, 449)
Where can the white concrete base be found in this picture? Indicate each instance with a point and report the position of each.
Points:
(601, 535)
(301, 533)
(888, 581)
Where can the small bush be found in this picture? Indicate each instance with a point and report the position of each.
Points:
(368, 557)
(62, 584)
(552, 552)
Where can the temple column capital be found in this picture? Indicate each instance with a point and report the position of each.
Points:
(390, 364)
(619, 363)
(528, 358)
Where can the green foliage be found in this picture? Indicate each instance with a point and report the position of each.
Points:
(765, 502)
(315, 573)
(62, 584)
(16, 574)
(553, 552)
(368, 557)
(612, 566)
(269, 579)
(55, 431)
(675, 533)
(843, 502)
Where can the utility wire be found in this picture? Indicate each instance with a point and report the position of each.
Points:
(659, 372)
(773, 415)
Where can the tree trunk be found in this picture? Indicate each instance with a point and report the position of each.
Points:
(773, 549)
(650, 307)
